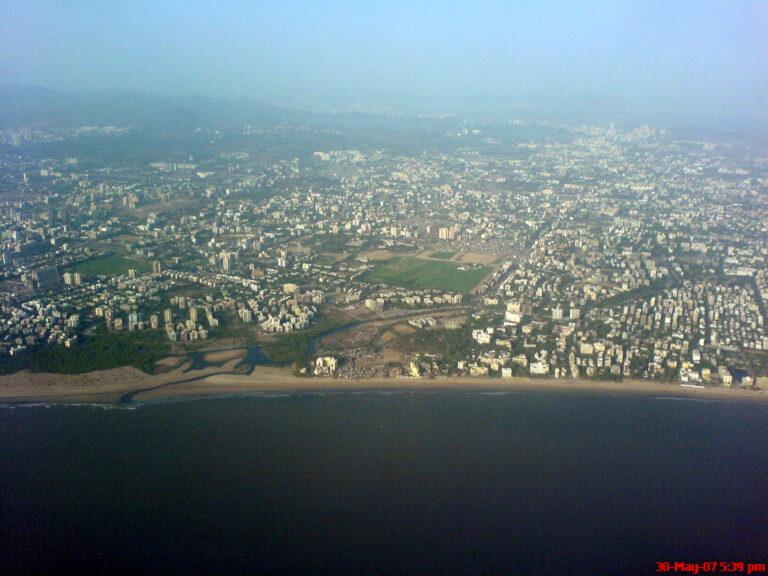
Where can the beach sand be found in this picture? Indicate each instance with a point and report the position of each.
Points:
(112, 386)
(224, 355)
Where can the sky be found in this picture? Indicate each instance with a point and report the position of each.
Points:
(440, 56)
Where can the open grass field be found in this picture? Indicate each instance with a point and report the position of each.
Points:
(478, 258)
(442, 255)
(378, 254)
(111, 266)
(426, 274)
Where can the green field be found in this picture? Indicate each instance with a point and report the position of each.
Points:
(111, 266)
(441, 255)
(426, 274)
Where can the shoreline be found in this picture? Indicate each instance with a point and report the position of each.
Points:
(129, 386)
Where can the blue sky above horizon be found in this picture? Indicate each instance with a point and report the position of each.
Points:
(697, 57)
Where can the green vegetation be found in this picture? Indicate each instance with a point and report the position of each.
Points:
(295, 347)
(325, 260)
(449, 345)
(641, 293)
(442, 255)
(400, 248)
(101, 351)
(111, 266)
(426, 274)
(335, 244)
(287, 348)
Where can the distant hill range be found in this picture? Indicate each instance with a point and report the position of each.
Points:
(37, 107)
(33, 106)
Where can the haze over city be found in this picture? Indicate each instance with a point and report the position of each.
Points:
(611, 60)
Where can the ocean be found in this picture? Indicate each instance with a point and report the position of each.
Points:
(398, 483)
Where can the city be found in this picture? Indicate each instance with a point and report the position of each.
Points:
(499, 250)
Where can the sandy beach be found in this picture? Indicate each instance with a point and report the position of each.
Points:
(129, 385)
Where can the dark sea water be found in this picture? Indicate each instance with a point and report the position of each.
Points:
(405, 483)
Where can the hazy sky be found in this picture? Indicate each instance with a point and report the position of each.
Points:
(669, 55)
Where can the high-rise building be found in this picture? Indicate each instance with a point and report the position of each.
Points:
(156, 267)
(444, 233)
(574, 314)
(246, 315)
(46, 277)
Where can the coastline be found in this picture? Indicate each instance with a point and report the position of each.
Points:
(127, 386)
